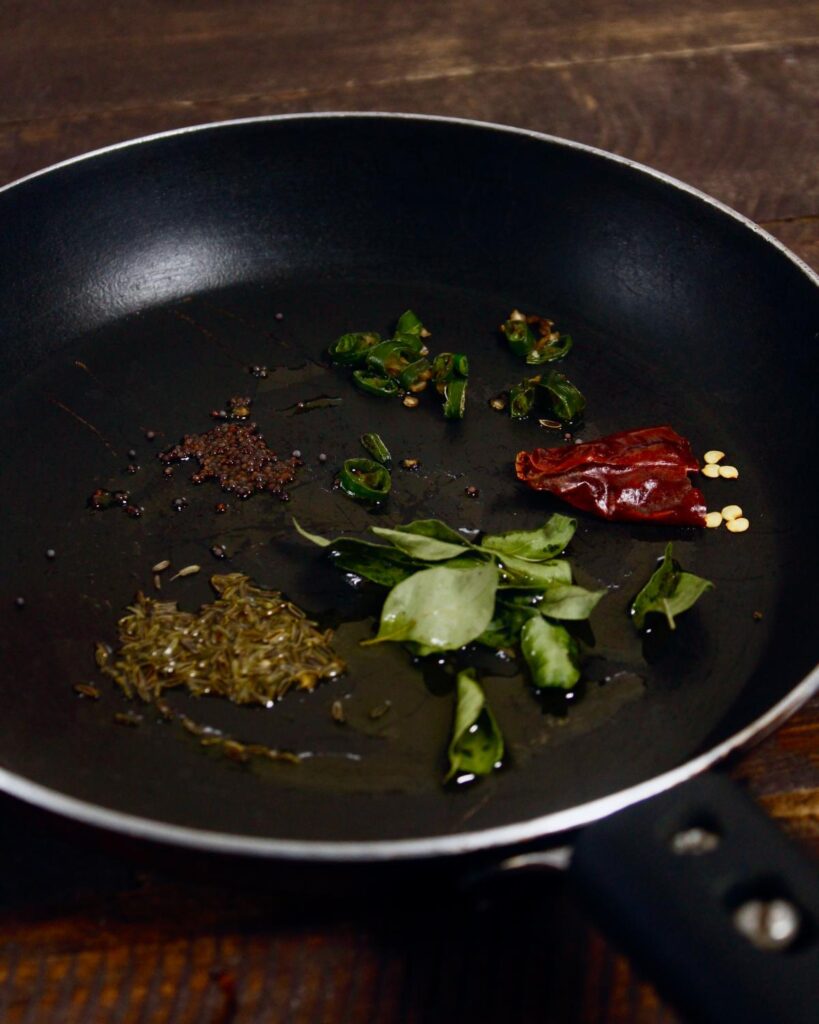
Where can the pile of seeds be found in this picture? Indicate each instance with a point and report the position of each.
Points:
(238, 457)
(250, 645)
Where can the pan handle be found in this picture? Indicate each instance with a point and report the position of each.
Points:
(703, 888)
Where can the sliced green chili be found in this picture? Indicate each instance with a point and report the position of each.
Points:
(389, 357)
(350, 349)
(365, 480)
(565, 400)
(521, 399)
(374, 446)
(415, 376)
(374, 384)
(455, 399)
(519, 334)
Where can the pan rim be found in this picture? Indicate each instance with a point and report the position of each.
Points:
(543, 827)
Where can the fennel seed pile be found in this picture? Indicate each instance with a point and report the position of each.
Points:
(250, 645)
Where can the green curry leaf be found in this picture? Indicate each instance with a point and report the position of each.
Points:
(669, 592)
(550, 653)
(441, 608)
(534, 545)
(476, 747)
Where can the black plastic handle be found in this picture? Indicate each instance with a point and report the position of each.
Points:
(703, 889)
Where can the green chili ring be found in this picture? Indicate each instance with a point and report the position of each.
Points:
(455, 399)
(365, 480)
(374, 384)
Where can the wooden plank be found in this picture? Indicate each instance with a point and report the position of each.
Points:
(739, 132)
(147, 52)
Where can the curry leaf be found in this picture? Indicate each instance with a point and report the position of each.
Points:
(375, 562)
(669, 592)
(476, 747)
(425, 547)
(570, 603)
(434, 528)
(534, 545)
(518, 573)
(504, 629)
(441, 608)
(550, 653)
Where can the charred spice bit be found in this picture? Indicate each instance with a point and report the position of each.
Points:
(237, 456)
(337, 712)
(130, 718)
(322, 457)
(218, 551)
(472, 492)
(167, 471)
(150, 435)
(278, 316)
(50, 554)
(179, 504)
(134, 511)
(410, 464)
(380, 710)
(757, 616)
(258, 371)
(19, 602)
(87, 690)
(250, 645)
(296, 453)
(218, 414)
(131, 453)
(220, 508)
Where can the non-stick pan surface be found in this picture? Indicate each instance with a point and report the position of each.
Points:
(139, 285)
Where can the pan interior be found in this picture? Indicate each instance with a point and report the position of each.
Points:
(659, 338)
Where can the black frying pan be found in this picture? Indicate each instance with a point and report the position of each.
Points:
(138, 286)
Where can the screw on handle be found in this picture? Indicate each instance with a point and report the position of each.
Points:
(705, 890)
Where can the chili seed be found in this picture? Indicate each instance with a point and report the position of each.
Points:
(756, 616)
(712, 457)
(739, 525)
(410, 463)
(549, 424)
(731, 512)
(713, 519)
(218, 551)
(710, 471)
(498, 403)
(410, 401)
(729, 472)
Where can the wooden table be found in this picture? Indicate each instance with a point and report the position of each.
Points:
(724, 96)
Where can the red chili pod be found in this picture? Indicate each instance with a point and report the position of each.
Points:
(637, 475)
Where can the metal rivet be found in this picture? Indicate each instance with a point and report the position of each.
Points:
(768, 924)
(694, 841)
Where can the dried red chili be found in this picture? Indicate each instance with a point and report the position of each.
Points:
(638, 475)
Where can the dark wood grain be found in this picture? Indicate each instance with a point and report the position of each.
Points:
(724, 96)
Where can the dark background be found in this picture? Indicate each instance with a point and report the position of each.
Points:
(721, 95)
